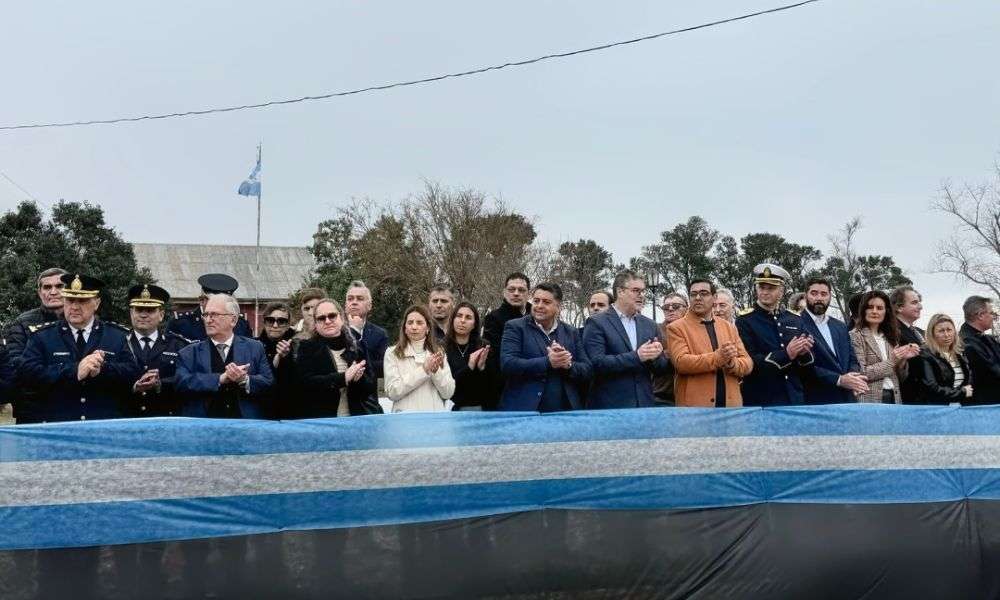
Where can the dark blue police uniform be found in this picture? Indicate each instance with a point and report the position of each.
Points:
(163, 356)
(776, 380)
(49, 367)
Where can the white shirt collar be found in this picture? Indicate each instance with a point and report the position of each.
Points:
(622, 315)
(228, 343)
(86, 328)
(153, 336)
(819, 319)
(555, 325)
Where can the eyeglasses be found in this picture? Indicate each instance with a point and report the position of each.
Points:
(331, 317)
(276, 320)
(211, 316)
(637, 291)
(672, 307)
(701, 294)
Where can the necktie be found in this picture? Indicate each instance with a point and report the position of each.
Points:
(222, 350)
(81, 344)
(146, 345)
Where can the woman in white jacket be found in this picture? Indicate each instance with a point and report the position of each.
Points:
(417, 376)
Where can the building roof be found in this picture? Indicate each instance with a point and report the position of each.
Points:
(176, 267)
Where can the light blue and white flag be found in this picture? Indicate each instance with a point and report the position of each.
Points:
(251, 185)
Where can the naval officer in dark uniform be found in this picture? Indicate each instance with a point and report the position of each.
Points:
(774, 338)
(190, 324)
(80, 366)
(156, 352)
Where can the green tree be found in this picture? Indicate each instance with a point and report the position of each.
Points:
(730, 271)
(683, 253)
(75, 238)
(581, 268)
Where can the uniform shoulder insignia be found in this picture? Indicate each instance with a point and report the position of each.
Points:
(175, 335)
(745, 311)
(117, 326)
(40, 326)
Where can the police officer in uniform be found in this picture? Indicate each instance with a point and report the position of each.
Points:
(190, 325)
(774, 338)
(80, 366)
(155, 352)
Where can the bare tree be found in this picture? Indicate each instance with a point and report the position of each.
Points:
(973, 252)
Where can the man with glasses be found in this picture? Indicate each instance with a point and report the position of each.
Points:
(80, 366)
(225, 374)
(49, 285)
(625, 349)
(512, 306)
(981, 349)
(190, 324)
(155, 351)
(674, 307)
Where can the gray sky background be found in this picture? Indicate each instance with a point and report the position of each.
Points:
(789, 123)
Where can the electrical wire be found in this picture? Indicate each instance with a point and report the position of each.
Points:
(426, 80)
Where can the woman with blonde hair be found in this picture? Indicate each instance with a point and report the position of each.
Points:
(417, 375)
(944, 375)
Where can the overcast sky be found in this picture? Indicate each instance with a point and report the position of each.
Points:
(789, 123)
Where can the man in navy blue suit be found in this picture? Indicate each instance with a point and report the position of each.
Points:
(222, 375)
(372, 339)
(625, 349)
(190, 325)
(542, 358)
(835, 377)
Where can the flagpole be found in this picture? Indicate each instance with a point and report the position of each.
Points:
(256, 299)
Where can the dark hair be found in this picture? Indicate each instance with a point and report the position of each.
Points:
(623, 278)
(794, 299)
(819, 281)
(711, 284)
(852, 307)
(308, 294)
(402, 342)
(441, 287)
(605, 292)
(898, 295)
(888, 326)
(517, 275)
(551, 287)
(974, 305)
(474, 337)
(273, 306)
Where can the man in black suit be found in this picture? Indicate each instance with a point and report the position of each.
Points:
(906, 304)
(981, 349)
(372, 339)
(156, 351)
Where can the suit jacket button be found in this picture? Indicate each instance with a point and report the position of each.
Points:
(83, 400)
(83, 417)
(143, 408)
(786, 376)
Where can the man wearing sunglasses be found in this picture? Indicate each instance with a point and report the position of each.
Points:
(674, 307)
(156, 351)
(225, 375)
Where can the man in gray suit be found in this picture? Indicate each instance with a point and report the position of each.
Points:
(625, 349)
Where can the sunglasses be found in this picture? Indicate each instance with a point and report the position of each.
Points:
(276, 320)
(327, 317)
(672, 307)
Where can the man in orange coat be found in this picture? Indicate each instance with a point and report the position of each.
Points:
(708, 356)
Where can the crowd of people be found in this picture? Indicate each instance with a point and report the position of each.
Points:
(61, 362)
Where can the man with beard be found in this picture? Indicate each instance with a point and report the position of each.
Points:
(515, 297)
(835, 377)
(50, 286)
(440, 301)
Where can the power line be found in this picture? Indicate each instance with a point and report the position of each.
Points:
(383, 87)
(26, 192)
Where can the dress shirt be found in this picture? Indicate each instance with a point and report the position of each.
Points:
(629, 324)
(153, 336)
(823, 324)
(86, 330)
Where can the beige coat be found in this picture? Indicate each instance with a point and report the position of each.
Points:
(410, 387)
(874, 366)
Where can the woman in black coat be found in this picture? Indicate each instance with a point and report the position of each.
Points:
(331, 376)
(467, 357)
(944, 376)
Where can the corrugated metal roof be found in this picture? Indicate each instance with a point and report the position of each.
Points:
(176, 267)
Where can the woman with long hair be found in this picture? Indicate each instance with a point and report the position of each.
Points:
(417, 375)
(467, 353)
(875, 339)
(944, 376)
(332, 375)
